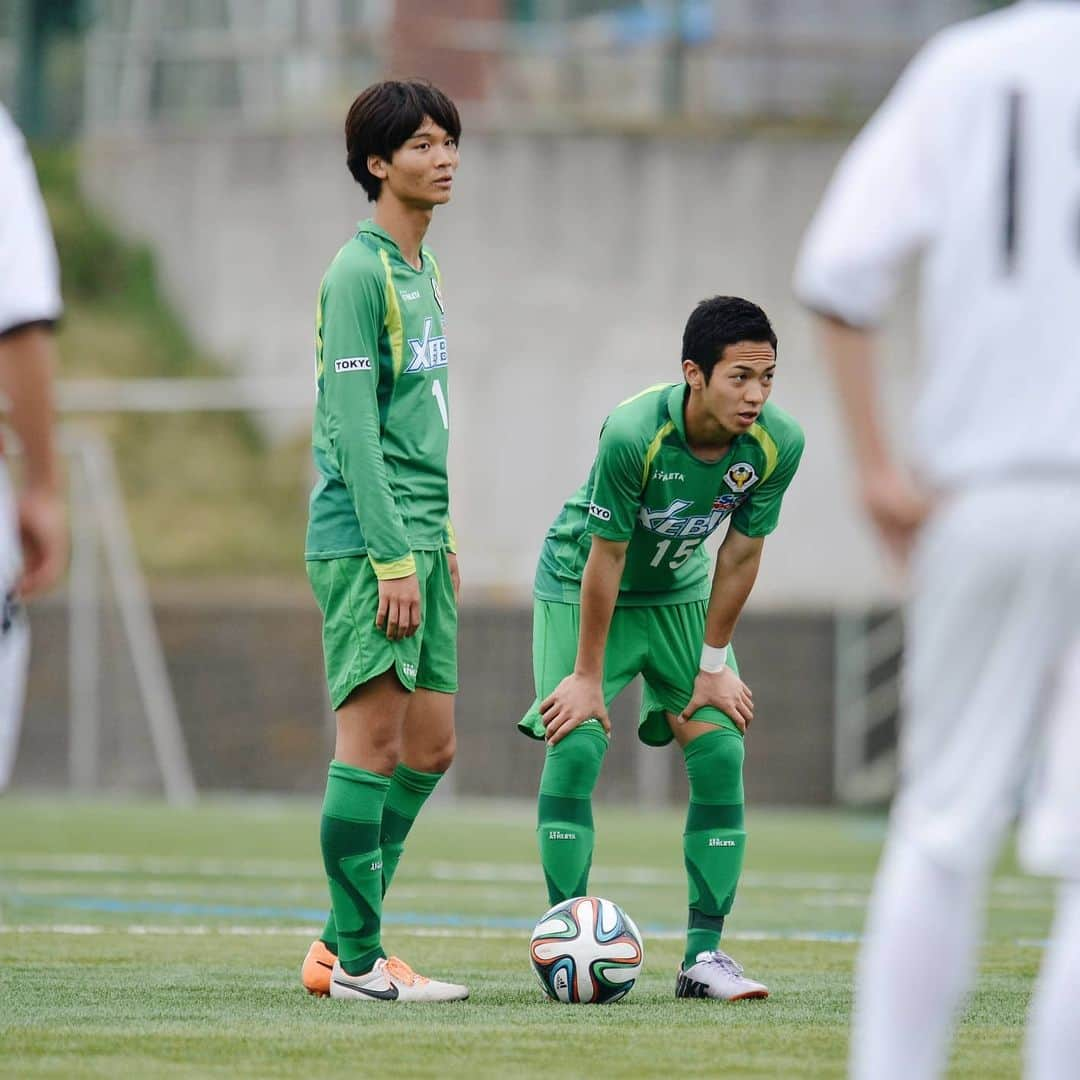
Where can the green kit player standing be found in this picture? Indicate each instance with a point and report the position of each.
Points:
(380, 551)
(623, 589)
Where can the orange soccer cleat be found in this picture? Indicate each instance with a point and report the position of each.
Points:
(317, 968)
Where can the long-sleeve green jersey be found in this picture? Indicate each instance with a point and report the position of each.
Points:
(648, 488)
(382, 426)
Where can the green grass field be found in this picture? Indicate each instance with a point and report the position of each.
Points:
(140, 941)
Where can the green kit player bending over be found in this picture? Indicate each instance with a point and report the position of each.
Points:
(380, 550)
(623, 589)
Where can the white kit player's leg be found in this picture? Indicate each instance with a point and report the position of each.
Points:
(1053, 1036)
(1050, 844)
(14, 636)
(14, 653)
(985, 630)
(922, 933)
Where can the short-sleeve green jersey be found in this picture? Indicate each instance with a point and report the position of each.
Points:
(381, 428)
(646, 487)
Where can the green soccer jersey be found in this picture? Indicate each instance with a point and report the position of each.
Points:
(382, 426)
(646, 487)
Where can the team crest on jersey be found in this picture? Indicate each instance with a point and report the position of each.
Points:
(740, 476)
(437, 293)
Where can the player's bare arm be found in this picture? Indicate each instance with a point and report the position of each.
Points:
(737, 564)
(27, 361)
(896, 507)
(580, 696)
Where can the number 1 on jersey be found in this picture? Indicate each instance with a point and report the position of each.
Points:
(440, 400)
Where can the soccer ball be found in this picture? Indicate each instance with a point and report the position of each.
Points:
(586, 950)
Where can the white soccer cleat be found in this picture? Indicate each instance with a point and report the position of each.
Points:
(716, 975)
(392, 979)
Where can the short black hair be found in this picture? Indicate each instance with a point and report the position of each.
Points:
(384, 115)
(719, 322)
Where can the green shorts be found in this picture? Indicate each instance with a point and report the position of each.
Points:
(356, 650)
(663, 644)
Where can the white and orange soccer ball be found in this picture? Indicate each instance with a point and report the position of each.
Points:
(586, 951)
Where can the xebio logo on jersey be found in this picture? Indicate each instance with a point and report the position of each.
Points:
(353, 363)
(667, 522)
(740, 476)
(428, 352)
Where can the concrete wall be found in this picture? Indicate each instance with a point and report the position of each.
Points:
(571, 264)
(247, 675)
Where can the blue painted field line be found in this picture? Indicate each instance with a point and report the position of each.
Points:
(166, 907)
(407, 918)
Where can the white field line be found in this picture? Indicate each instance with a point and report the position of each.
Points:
(141, 930)
(504, 873)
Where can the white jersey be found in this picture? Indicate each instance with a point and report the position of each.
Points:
(29, 277)
(974, 160)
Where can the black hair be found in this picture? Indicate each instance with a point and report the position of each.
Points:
(719, 322)
(383, 117)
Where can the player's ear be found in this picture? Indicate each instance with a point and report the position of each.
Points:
(376, 166)
(693, 375)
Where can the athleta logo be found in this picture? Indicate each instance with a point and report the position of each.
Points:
(428, 352)
(376, 866)
(353, 363)
(600, 512)
(554, 834)
(661, 475)
(667, 522)
(410, 670)
(715, 842)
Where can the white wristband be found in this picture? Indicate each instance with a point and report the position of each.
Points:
(714, 658)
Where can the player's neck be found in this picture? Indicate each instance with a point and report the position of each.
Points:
(407, 225)
(706, 438)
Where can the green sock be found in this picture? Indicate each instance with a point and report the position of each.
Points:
(329, 935)
(564, 811)
(352, 812)
(409, 790)
(714, 838)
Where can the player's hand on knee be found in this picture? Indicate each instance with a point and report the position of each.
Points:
(723, 690)
(399, 607)
(576, 699)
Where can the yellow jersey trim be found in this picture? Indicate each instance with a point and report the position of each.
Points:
(399, 568)
(394, 326)
(768, 445)
(641, 393)
(654, 448)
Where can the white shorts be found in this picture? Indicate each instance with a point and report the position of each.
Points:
(14, 633)
(992, 680)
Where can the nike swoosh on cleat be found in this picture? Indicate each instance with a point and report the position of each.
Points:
(383, 995)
